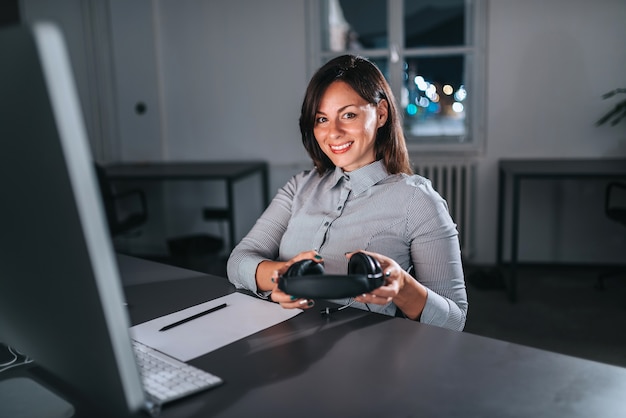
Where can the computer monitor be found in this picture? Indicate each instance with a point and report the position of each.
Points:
(61, 299)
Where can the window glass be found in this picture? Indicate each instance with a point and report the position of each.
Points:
(349, 25)
(426, 50)
(382, 64)
(429, 23)
(434, 97)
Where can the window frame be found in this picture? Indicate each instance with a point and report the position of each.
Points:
(475, 56)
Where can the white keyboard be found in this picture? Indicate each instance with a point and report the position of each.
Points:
(166, 378)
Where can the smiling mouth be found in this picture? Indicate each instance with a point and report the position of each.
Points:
(337, 149)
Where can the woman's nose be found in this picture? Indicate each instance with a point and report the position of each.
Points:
(335, 130)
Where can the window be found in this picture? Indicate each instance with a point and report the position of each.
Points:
(429, 51)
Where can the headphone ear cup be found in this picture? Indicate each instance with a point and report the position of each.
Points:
(361, 263)
(304, 268)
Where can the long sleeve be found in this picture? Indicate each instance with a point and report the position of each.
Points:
(263, 240)
(436, 256)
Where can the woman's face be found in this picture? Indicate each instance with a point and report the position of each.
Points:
(346, 125)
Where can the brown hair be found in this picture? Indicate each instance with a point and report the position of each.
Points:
(367, 80)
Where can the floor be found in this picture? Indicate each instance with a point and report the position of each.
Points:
(558, 308)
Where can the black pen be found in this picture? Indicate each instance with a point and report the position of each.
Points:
(192, 317)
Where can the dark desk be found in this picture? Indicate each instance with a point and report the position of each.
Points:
(357, 364)
(360, 364)
(229, 171)
(516, 171)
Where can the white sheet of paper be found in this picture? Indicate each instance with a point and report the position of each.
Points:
(244, 315)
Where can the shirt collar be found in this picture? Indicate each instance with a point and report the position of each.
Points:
(362, 178)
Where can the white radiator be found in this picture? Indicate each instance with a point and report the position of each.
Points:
(454, 180)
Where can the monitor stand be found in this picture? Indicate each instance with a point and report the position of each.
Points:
(21, 397)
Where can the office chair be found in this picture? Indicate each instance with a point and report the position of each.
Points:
(615, 209)
(120, 222)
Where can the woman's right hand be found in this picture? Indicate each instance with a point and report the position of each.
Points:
(285, 300)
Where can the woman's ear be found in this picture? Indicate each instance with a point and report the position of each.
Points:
(382, 112)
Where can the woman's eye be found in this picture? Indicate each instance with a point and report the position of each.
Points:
(320, 119)
(349, 115)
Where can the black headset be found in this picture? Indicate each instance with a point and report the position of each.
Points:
(307, 279)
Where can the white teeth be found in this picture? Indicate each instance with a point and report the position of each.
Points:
(340, 147)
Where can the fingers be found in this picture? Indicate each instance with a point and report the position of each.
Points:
(394, 279)
(285, 300)
(382, 295)
(391, 270)
(305, 255)
(373, 299)
(291, 302)
(299, 303)
(393, 275)
(384, 261)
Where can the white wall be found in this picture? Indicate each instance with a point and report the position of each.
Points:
(68, 14)
(549, 62)
(139, 100)
(231, 76)
(233, 79)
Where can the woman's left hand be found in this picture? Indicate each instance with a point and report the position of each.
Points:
(395, 278)
(400, 288)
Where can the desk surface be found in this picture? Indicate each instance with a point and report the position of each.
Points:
(359, 364)
(184, 170)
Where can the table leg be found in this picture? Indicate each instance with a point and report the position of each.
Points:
(501, 209)
(502, 206)
(514, 239)
(265, 186)
(231, 213)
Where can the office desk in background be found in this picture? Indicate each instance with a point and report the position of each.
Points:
(356, 363)
(228, 171)
(518, 170)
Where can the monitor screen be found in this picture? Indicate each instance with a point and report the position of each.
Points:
(61, 300)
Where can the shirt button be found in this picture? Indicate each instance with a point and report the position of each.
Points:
(338, 207)
(326, 224)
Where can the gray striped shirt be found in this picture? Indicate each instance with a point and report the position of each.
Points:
(399, 216)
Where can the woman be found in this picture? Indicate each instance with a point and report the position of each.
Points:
(362, 195)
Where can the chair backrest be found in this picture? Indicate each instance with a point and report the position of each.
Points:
(108, 199)
(122, 215)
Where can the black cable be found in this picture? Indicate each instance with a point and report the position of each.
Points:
(15, 361)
